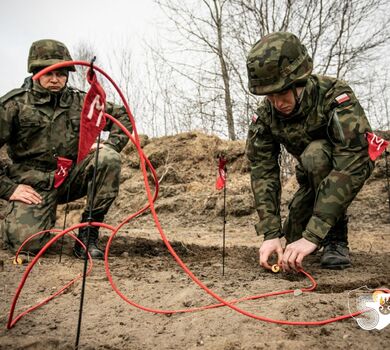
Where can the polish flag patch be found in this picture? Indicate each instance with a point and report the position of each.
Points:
(342, 98)
(254, 118)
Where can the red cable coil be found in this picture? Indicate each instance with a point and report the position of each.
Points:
(151, 200)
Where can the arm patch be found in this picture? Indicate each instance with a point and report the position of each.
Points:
(342, 98)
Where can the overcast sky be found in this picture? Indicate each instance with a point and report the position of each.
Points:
(104, 24)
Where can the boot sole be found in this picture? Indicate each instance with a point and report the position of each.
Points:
(81, 257)
(78, 256)
(335, 267)
(93, 257)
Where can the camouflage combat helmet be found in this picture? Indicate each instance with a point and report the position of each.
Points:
(44, 53)
(276, 62)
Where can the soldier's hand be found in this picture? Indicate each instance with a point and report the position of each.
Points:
(26, 194)
(267, 249)
(94, 146)
(295, 252)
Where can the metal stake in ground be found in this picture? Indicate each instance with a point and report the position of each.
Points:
(387, 176)
(221, 184)
(224, 224)
(91, 200)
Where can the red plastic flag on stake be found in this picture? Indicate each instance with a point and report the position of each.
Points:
(376, 145)
(221, 180)
(92, 120)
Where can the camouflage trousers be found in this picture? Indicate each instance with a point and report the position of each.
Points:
(315, 165)
(23, 220)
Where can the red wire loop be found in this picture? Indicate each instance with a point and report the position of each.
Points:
(151, 199)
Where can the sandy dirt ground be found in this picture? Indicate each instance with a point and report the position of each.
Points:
(190, 211)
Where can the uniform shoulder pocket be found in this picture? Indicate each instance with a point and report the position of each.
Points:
(255, 129)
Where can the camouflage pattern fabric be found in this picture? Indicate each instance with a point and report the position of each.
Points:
(276, 62)
(23, 220)
(316, 165)
(328, 140)
(44, 53)
(38, 126)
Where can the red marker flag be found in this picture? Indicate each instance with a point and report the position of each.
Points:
(221, 179)
(376, 145)
(92, 120)
(62, 171)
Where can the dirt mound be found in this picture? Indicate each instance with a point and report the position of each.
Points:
(190, 211)
(186, 165)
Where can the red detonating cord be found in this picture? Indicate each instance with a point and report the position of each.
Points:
(145, 161)
(11, 321)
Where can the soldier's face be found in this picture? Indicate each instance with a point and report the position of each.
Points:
(284, 101)
(54, 80)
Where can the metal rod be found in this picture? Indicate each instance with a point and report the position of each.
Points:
(387, 177)
(224, 223)
(91, 200)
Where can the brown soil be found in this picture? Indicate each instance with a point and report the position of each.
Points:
(190, 211)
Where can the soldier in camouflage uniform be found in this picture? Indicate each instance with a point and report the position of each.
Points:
(40, 122)
(318, 120)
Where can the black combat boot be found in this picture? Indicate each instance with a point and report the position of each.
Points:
(336, 252)
(93, 249)
(335, 256)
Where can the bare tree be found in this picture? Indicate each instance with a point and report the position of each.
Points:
(344, 37)
(124, 68)
(340, 34)
(377, 99)
(82, 52)
(160, 108)
(199, 79)
(120, 68)
(204, 33)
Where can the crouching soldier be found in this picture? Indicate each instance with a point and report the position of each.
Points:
(40, 123)
(319, 121)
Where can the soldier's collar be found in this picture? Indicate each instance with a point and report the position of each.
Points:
(66, 98)
(41, 96)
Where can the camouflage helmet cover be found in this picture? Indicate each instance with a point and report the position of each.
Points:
(44, 53)
(277, 61)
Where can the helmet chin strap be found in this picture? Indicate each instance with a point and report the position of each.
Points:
(297, 98)
(298, 102)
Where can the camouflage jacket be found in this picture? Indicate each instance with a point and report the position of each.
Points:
(322, 115)
(38, 126)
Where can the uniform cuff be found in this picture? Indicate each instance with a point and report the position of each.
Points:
(7, 190)
(259, 227)
(316, 230)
